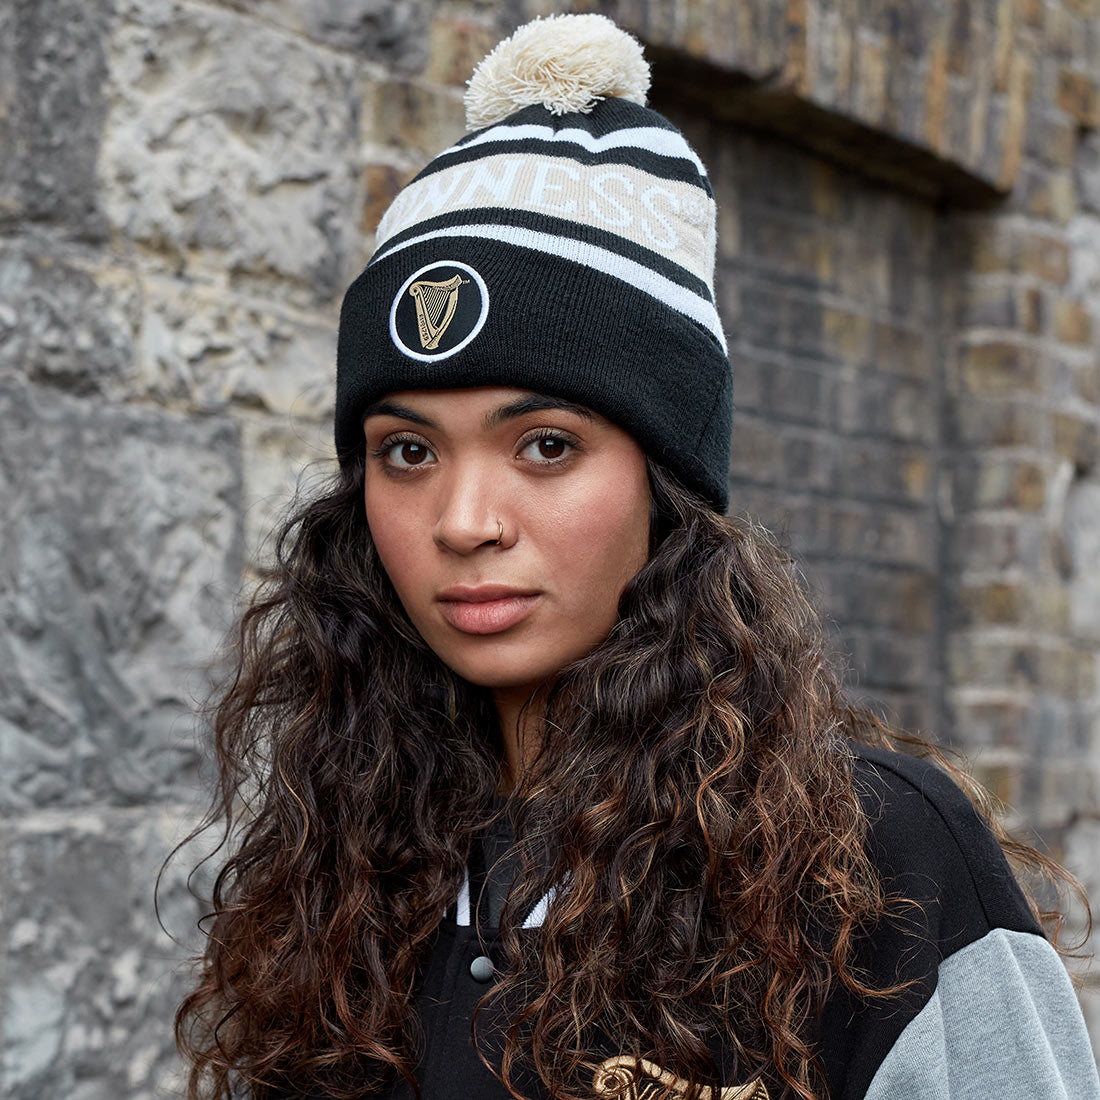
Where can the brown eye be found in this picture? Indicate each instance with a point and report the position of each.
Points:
(404, 454)
(551, 448)
(413, 453)
(548, 450)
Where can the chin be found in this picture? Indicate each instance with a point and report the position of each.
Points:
(503, 670)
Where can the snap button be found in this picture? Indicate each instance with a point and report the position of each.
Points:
(482, 969)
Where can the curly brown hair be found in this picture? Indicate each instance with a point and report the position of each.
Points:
(692, 778)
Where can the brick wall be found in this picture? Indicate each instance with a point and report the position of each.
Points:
(909, 235)
(832, 289)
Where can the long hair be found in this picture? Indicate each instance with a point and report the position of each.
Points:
(691, 805)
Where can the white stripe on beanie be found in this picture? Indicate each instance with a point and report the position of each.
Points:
(670, 217)
(671, 294)
(651, 139)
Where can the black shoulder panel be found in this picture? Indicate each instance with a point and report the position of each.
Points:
(930, 846)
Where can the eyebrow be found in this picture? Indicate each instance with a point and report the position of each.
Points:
(536, 402)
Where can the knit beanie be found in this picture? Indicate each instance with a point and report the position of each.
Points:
(566, 246)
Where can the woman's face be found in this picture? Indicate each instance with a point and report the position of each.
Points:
(571, 491)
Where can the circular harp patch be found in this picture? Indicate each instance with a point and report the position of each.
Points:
(439, 310)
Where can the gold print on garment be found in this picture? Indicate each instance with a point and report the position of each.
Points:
(618, 1077)
(435, 307)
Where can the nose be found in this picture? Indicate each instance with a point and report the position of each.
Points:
(469, 508)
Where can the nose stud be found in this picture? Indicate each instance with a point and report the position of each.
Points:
(500, 532)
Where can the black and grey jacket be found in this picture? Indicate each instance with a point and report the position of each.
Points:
(993, 1015)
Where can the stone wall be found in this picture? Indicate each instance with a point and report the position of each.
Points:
(909, 273)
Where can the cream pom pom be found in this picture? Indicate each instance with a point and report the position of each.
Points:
(564, 62)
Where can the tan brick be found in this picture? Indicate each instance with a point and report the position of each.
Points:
(991, 423)
(846, 335)
(729, 231)
(902, 350)
(825, 189)
(990, 723)
(785, 245)
(1015, 119)
(986, 543)
(1076, 438)
(746, 27)
(872, 469)
(995, 248)
(1068, 671)
(916, 601)
(916, 472)
(877, 532)
(987, 305)
(1052, 139)
(979, 113)
(1031, 12)
(413, 117)
(840, 61)
(1011, 603)
(1086, 377)
(1010, 483)
(1004, 44)
(935, 95)
(915, 713)
(699, 27)
(1029, 487)
(1050, 195)
(1000, 368)
(796, 68)
(1079, 96)
(383, 181)
(1063, 198)
(995, 305)
(1030, 309)
(1050, 606)
(1060, 145)
(1063, 33)
(1034, 195)
(1002, 780)
(1072, 322)
(1044, 257)
(455, 48)
(869, 99)
(976, 661)
(998, 480)
(997, 604)
(761, 450)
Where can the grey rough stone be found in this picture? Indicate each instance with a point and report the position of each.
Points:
(204, 348)
(1082, 539)
(119, 561)
(379, 30)
(1082, 857)
(52, 110)
(92, 981)
(1083, 234)
(10, 141)
(229, 140)
(281, 458)
(65, 324)
(1087, 171)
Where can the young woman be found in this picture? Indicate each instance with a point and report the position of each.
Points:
(535, 779)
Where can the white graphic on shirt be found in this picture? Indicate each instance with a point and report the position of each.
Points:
(638, 1079)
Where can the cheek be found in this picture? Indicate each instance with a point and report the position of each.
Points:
(393, 530)
(599, 543)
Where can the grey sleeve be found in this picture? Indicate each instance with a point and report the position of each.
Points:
(1004, 1022)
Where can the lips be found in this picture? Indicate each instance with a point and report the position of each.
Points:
(487, 609)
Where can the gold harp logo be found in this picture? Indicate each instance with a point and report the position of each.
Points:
(627, 1078)
(435, 308)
